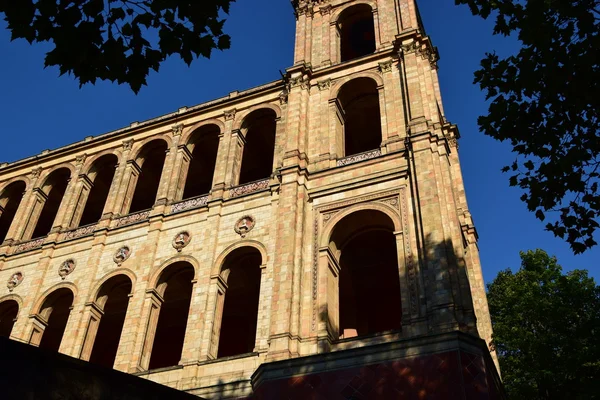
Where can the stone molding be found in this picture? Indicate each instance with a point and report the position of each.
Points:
(133, 218)
(189, 204)
(249, 188)
(367, 155)
(29, 245)
(79, 232)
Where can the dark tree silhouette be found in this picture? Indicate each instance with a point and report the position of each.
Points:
(118, 40)
(544, 101)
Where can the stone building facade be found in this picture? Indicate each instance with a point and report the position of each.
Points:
(310, 225)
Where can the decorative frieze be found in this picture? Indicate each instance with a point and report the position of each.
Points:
(249, 188)
(30, 245)
(367, 155)
(79, 232)
(190, 204)
(133, 218)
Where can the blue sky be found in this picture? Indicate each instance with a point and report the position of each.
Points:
(41, 111)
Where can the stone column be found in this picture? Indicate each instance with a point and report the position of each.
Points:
(83, 188)
(93, 313)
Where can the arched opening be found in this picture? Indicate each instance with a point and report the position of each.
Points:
(241, 270)
(359, 116)
(369, 281)
(8, 315)
(151, 161)
(257, 160)
(54, 188)
(203, 146)
(101, 174)
(175, 285)
(113, 298)
(55, 311)
(356, 29)
(9, 204)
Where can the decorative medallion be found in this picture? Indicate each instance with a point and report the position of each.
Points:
(244, 225)
(66, 268)
(121, 255)
(181, 240)
(14, 281)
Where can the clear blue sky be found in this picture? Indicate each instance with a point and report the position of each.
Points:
(39, 110)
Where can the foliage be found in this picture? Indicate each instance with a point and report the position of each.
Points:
(544, 100)
(546, 330)
(118, 40)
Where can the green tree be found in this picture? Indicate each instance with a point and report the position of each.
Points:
(546, 330)
(544, 101)
(118, 40)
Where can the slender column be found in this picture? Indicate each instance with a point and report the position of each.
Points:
(219, 288)
(38, 326)
(83, 188)
(262, 323)
(94, 314)
(180, 172)
(117, 197)
(219, 177)
(153, 304)
(36, 204)
(128, 183)
(165, 176)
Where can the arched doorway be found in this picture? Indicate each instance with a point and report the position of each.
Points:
(364, 245)
(203, 147)
(238, 303)
(8, 315)
(9, 204)
(259, 129)
(359, 116)
(356, 29)
(55, 312)
(150, 161)
(54, 189)
(112, 301)
(101, 176)
(175, 288)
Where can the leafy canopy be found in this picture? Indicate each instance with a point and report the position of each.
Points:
(118, 40)
(544, 100)
(546, 330)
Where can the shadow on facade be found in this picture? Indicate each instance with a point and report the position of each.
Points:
(28, 372)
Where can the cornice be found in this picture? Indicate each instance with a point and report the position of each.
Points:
(136, 127)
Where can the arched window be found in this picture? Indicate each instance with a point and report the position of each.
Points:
(8, 314)
(364, 245)
(239, 303)
(112, 300)
(9, 204)
(175, 287)
(359, 118)
(55, 311)
(101, 175)
(54, 188)
(356, 30)
(151, 161)
(203, 147)
(257, 160)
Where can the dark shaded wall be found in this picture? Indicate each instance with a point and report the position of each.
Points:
(31, 373)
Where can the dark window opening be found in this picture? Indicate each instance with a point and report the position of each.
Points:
(359, 100)
(56, 311)
(115, 295)
(103, 173)
(204, 144)
(240, 311)
(172, 320)
(369, 282)
(57, 183)
(357, 32)
(8, 314)
(10, 201)
(151, 161)
(257, 160)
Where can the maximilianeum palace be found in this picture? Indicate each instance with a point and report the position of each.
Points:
(305, 239)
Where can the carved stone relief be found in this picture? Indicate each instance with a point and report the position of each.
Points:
(14, 281)
(244, 225)
(181, 240)
(122, 255)
(66, 268)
